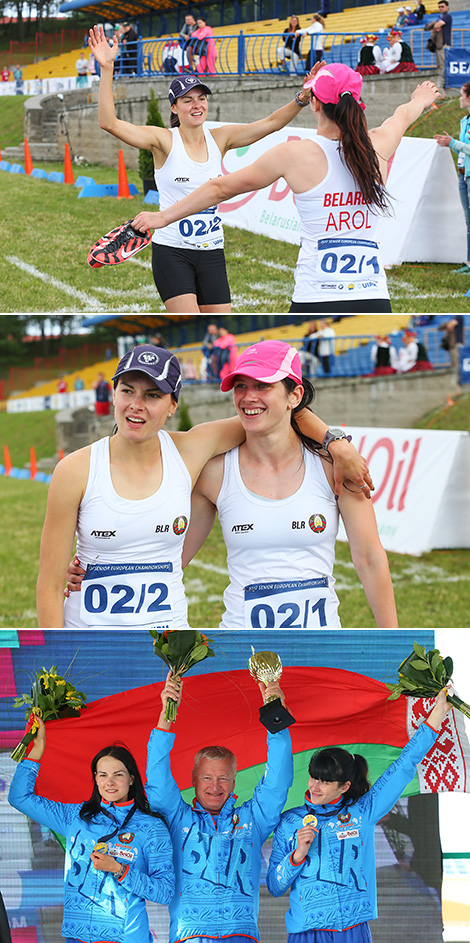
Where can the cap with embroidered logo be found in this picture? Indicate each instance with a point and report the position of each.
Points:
(159, 364)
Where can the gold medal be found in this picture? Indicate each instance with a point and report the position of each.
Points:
(309, 820)
(102, 847)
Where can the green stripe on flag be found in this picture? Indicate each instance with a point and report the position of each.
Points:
(379, 756)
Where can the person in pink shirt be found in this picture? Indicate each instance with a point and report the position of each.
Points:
(225, 349)
(205, 50)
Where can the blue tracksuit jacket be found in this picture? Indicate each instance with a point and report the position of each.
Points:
(218, 859)
(335, 886)
(97, 905)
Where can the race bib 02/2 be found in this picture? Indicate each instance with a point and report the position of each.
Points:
(287, 604)
(130, 594)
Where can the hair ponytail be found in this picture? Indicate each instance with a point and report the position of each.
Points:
(309, 395)
(334, 764)
(357, 151)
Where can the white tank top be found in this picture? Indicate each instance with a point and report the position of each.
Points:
(280, 554)
(132, 549)
(179, 176)
(339, 256)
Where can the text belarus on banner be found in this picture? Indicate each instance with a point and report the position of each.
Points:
(457, 68)
(422, 493)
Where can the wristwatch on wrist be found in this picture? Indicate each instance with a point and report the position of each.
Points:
(334, 435)
(299, 101)
(119, 874)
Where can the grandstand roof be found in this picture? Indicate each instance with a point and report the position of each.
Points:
(136, 323)
(112, 10)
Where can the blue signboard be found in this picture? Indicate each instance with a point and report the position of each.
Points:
(464, 364)
(457, 67)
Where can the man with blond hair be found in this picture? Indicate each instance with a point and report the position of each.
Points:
(217, 847)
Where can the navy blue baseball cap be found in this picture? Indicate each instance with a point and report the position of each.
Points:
(184, 84)
(159, 364)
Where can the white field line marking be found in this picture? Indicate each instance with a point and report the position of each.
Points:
(222, 570)
(55, 282)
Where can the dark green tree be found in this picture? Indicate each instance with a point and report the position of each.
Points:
(154, 119)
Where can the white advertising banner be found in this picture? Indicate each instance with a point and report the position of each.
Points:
(422, 487)
(427, 223)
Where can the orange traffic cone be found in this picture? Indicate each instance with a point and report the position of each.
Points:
(28, 164)
(68, 172)
(123, 186)
(7, 460)
(60, 455)
(33, 468)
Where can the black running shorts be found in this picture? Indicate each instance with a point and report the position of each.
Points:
(199, 272)
(358, 306)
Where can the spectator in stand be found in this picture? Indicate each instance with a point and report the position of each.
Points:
(225, 349)
(207, 371)
(383, 356)
(62, 384)
(288, 53)
(18, 77)
(315, 49)
(157, 340)
(325, 9)
(410, 19)
(204, 47)
(420, 11)
(443, 26)
(81, 66)
(324, 349)
(186, 32)
(102, 392)
(5, 74)
(370, 56)
(308, 352)
(412, 357)
(400, 18)
(398, 56)
(129, 42)
(453, 339)
(79, 383)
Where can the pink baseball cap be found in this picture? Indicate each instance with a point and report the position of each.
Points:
(333, 81)
(268, 361)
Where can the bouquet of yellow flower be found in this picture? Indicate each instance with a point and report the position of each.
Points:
(424, 674)
(180, 650)
(52, 697)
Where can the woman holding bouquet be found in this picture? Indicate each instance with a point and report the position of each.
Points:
(128, 498)
(118, 851)
(324, 850)
(277, 506)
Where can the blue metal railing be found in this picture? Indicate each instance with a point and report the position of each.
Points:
(351, 353)
(243, 53)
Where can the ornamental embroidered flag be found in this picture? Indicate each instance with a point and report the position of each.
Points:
(331, 707)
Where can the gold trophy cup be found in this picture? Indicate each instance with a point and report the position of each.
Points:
(266, 667)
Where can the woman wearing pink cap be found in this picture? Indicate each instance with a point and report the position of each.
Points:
(338, 180)
(274, 495)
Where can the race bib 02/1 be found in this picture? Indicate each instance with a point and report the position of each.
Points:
(347, 260)
(287, 604)
(128, 594)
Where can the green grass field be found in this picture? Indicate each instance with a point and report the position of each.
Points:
(43, 264)
(432, 591)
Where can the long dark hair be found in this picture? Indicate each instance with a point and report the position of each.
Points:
(357, 151)
(334, 764)
(309, 395)
(136, 789)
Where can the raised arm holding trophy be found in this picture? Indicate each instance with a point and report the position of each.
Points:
(217, 847)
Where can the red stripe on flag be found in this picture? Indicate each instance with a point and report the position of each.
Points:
(330, 706)
(8, 683)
